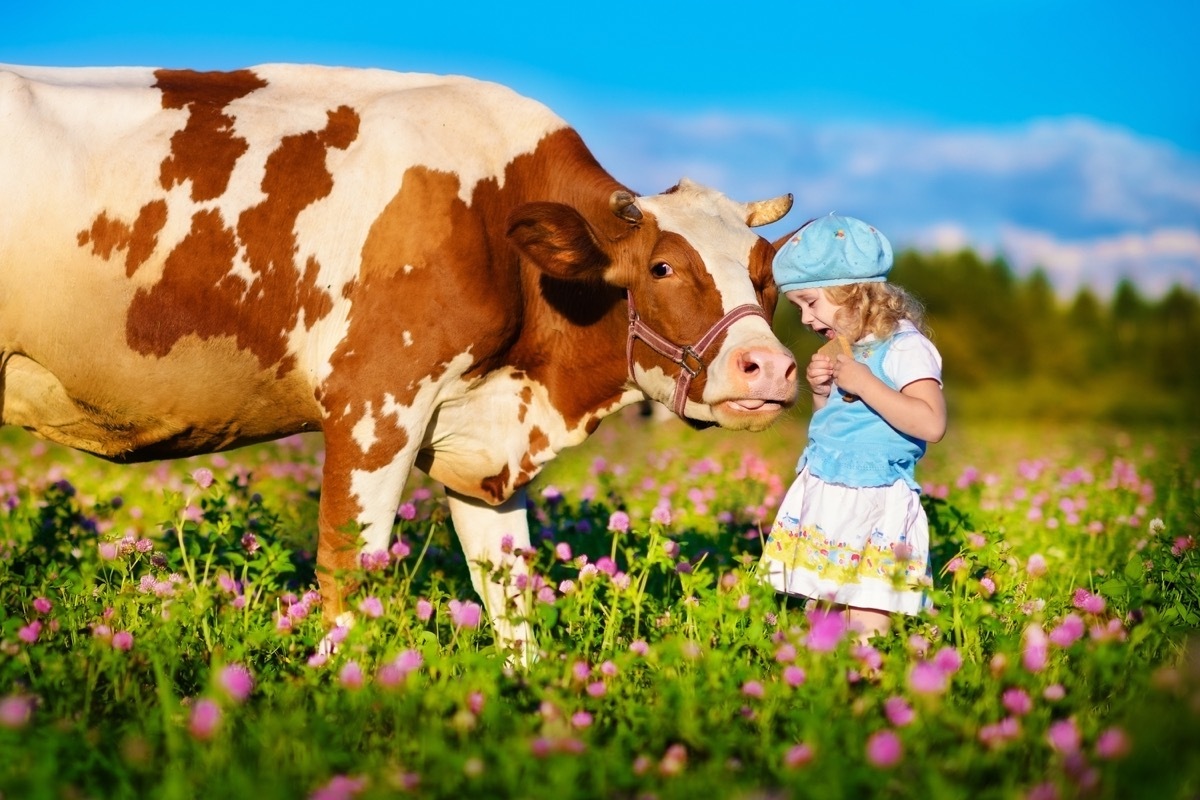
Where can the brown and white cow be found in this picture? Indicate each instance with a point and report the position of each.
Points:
(432, 271)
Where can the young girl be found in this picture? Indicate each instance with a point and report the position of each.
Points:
(851, 531)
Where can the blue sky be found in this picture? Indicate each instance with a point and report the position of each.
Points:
(1060, 133)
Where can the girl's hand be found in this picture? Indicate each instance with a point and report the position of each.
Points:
(917, 410)
(852, 376)
(819, 375)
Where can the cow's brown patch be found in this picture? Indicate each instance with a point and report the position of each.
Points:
(105, 236)
(682, 308)
(425, 266)
(109, 235)
(761, 256)
(144, 237)
(195, 286)
(496, 486)
(571, 331)
(538, 440)
(206, 149)
(526, 399)
(198, 294)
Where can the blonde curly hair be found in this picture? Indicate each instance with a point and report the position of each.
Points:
(875, 308)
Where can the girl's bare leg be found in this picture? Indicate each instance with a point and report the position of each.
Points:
(868, 622)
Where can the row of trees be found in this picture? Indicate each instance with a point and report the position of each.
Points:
(1011, 347)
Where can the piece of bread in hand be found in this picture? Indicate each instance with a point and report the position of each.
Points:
(839, 345)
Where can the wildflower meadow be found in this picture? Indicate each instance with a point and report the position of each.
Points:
(159, 627)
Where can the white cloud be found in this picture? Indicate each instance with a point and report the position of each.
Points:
(1154, 261)
(946, 237)
(1087, 201)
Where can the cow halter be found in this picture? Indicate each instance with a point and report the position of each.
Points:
(689, 358)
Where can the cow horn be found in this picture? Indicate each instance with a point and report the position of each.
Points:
(622, 204)
(764, 212)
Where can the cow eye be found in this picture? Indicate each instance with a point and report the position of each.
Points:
(661, 269)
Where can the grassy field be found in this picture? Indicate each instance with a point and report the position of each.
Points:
(158, 628)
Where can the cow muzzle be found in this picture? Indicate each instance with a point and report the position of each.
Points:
(689, 357)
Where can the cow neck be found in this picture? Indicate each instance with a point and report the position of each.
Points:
(689, 358)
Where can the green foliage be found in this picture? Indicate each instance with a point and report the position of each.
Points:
(1011, 349)
(667, 668)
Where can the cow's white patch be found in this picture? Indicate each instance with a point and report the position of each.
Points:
(364, 430)
(378, 495)
(396, 111)
(467, 452)
(716, 227)
(316, 342)
(128, 136)
(408, 268)
(378, 491)
(408, 338)
(481, 531)
(661, 387)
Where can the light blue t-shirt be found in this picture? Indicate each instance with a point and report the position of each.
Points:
(849, 443)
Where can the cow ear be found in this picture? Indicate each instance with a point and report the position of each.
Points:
(558, 240)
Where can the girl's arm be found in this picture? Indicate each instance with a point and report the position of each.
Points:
(918, 409)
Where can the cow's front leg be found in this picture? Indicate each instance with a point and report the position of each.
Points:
(360, 492)
(500, 578)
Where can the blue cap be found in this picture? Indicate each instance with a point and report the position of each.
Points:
(832, 251)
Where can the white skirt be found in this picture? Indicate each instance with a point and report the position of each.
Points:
(861, 547)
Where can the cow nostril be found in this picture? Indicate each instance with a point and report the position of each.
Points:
(757, 364)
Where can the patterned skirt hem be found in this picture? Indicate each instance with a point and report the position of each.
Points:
(875, 595)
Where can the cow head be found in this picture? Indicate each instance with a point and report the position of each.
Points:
(699, 288)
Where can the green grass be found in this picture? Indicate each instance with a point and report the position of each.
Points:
(667, 670)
